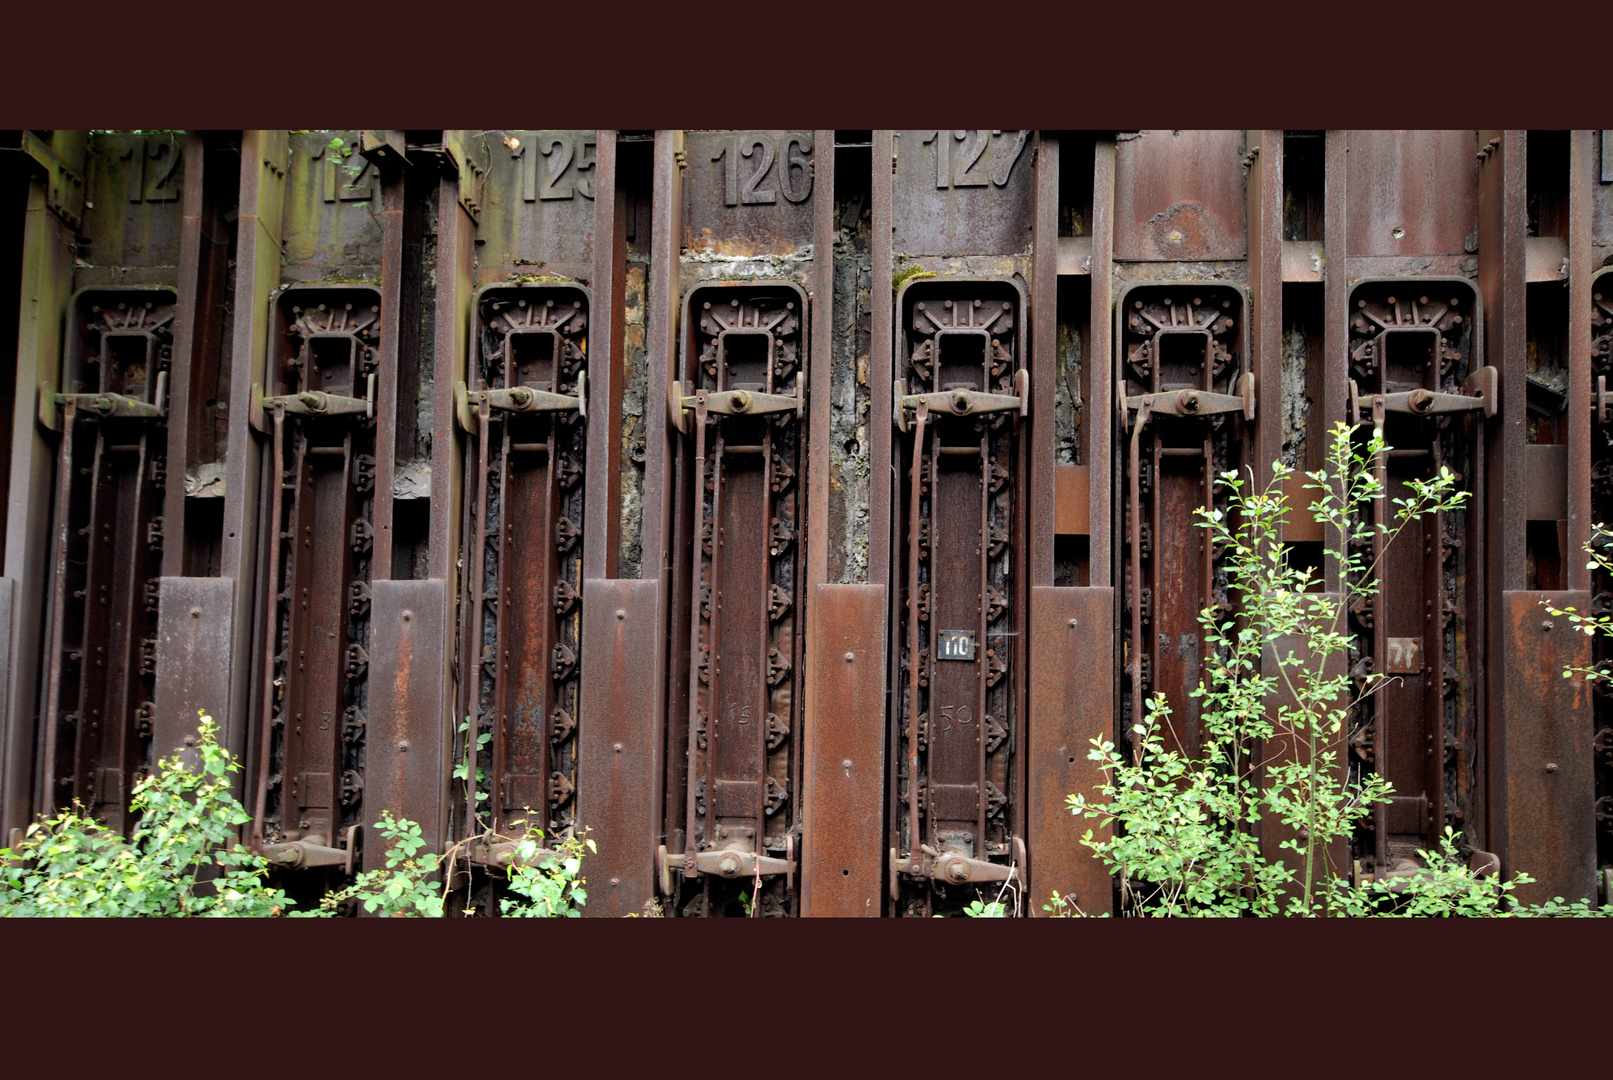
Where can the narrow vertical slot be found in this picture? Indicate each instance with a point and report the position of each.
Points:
(207, 403)
(1304, 163)
(1547, 183)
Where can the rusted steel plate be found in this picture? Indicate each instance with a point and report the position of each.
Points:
(843, 861)
(537, 204)
(1075, 256)
(332, 223)
(748, 192)
(1301, 526)
(1412, 193)
(1545, 482)
(619, 750)
(1546, 821)
(1288, 745)
(195, 658)
(968, 191)
(131, 229)
(1072, 500)
(1179, 196)
(408, 738)
(1303, 260)
(1072, 702)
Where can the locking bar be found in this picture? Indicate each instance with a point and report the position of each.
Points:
(1479, 391)
(312, 851)
(104, 406)
(954, 868)
(963, 402)
(517, 399)
(1199, 402)
(743, 402)
(313, 403)
(728, 863)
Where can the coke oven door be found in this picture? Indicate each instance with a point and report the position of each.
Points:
(958, 405)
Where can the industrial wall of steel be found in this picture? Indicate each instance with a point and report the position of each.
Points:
(790, 507)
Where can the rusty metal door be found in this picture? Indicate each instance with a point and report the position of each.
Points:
(111, 470)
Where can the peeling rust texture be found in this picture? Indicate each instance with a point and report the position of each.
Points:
(1546, 814)
(748, 192)
(1072, 702)
(407, 747)
(195, 635)
(842, 866)
(618, 751)
(1180, 197)
(963, 192)
(1411, 192)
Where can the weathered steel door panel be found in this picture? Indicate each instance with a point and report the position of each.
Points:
(743, 405)
(940, 179)
(618, 754)
(526, 405)
(1547, 817)
(408, 736)
(842, 806)
(323, 365)
(958, 406)
(1071, 703)
(107, 560)
(1180, 196)
(1188, 394)
(195, 658)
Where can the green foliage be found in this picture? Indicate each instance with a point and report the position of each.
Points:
(404, 887)
(1184, 827)
(181, 859)
(550, 881)
(1600, 549)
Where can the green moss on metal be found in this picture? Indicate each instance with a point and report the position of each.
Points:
(909, 273)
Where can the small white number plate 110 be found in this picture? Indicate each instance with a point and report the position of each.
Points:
(956, 645)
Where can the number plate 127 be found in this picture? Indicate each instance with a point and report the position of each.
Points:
(956, 645)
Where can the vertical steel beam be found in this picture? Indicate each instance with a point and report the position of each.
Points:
(186, 333)
(881, 467)
(391, 181)
(1265, 217)
(1043, 363)
(1072, 678)
(1502, 231)
(1099, 415)
(264, 156)
(842, 864)
(47, 282)
(1583, 172)
(1335, 311)
(661, 341)
(602, 517)
(618, 754)
(821, 369)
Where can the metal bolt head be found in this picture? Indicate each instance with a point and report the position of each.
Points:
(1546, 625)
(621, 613)
(728, 866)
(617, 747)
(403, 745)
(1551, 766)
(850, 657)
(958, 871)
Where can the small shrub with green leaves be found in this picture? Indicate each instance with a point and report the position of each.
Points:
(549, 883)
(404, 887)
(182, 858)
(1183, 838)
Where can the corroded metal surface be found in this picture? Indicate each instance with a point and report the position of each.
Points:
(843, 874)
(470, 377)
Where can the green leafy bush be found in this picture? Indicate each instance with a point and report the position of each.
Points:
(181, 859)
(1184, 828)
